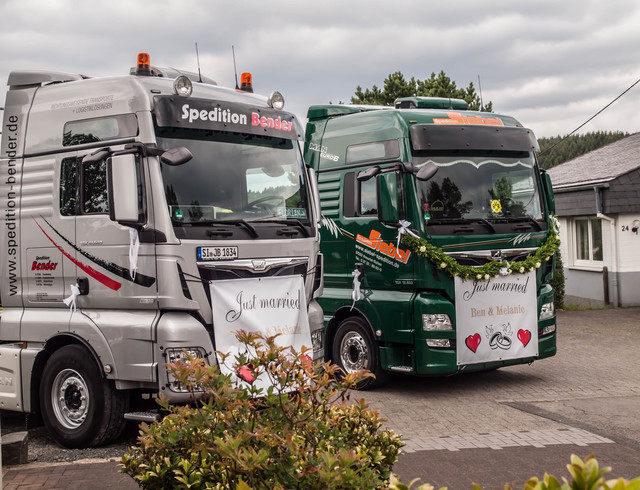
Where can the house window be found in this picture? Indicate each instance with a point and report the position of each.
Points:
(588, 236)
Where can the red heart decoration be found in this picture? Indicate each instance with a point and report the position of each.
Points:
(524, 336)
(473, 341)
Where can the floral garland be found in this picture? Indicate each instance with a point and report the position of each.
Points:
(448, 264)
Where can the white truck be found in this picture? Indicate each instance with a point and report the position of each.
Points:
(124, 200)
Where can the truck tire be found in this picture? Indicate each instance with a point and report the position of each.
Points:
(79, 407)
(354, 350)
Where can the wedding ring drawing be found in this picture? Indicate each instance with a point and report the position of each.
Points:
(498, 340)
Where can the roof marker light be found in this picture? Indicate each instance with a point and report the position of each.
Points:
(246, 82)
(182, 86)
(144, 64)
(276, 100)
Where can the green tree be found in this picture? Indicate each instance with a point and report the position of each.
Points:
(440, 85)
(559, 149)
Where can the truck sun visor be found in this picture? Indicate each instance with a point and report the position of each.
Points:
(470, 137)
(179, 112)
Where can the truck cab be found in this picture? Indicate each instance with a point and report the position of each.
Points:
(130, 204)
(438, 238)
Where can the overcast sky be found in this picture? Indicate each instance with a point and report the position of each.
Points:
(551, 64)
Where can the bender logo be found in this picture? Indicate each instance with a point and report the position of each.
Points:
(375, 242)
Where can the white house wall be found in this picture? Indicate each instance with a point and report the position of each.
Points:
(629, 250)
(584, 286)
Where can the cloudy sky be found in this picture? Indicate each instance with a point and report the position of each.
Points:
(551, 64)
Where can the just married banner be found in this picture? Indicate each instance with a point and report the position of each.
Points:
(268, 305)
(496, 319)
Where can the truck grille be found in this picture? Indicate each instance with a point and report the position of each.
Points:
(245, 269)
(481, 257)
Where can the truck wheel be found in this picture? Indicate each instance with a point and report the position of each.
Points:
(79, 407)
(354, 350)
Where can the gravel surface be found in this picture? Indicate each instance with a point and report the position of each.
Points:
(43, 449)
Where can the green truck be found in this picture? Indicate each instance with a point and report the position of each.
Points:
(438, 238)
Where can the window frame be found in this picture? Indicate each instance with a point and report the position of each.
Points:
(576, 240)
(352, 197)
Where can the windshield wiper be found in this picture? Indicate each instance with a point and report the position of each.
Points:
(242, 223)
(289, 222)
(230, 222)
(528, 219)
(454, 221)
(448, 221)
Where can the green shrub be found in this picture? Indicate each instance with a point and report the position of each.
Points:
(299, 433)
(586, 475)
(558, 282)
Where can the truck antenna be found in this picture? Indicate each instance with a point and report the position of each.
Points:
(198, 61)
(235, 70)
(480, 90)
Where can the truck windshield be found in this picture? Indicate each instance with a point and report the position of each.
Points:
(492, 186)
(233, 176)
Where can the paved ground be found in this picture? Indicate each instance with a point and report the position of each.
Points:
(488, 428)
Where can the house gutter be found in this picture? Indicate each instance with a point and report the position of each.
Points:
(614, 244)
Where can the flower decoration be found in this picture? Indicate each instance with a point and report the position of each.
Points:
(437, 257)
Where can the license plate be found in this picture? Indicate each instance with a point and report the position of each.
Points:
(217, 253)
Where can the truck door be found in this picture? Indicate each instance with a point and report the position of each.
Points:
(118, 307)
(107, 251)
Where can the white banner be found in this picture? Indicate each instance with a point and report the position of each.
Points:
(269, 305)
(496, 319)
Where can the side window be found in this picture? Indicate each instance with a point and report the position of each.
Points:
(94, 188)
(360, 198)
(376, 150)
(91, 189)
(99, 129)
(368, 198)
(68, 186)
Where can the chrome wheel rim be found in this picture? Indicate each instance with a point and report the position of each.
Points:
(354, 353)
(70, 398)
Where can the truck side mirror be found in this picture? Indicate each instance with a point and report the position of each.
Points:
(122, 184)
(367, 174)
(548, 192)
(176, 156)
(389, 197)
(427, 171)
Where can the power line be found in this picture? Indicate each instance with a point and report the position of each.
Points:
(591, 118)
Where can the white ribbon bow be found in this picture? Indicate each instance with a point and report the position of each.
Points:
(504, 271)
(134, 246)
(71, 300)
(404, 228)
(556, 224)
(355, 294)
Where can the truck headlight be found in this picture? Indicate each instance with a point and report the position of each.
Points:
(548, 310)
(182, 354)
(316, 339)
(276, 100)
(549, 329)
(439, 343)
(436, 322)
(182, 86)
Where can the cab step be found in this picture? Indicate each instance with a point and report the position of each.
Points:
(150, 416)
